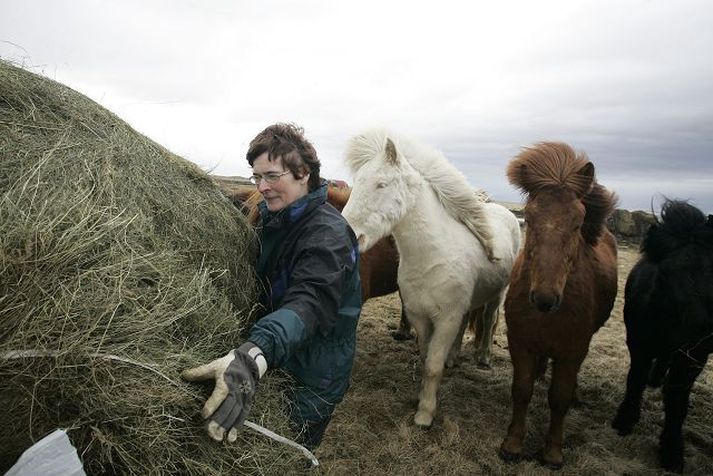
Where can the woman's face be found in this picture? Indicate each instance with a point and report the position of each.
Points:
(285, 190)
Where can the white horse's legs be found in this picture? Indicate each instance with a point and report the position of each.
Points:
(454, 353)
(445, 332)
(490, 320)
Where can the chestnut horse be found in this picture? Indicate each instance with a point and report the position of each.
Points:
(377, 267)
(563, 283)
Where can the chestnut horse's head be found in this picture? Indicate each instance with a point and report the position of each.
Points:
(566, 209)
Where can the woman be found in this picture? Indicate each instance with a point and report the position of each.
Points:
(309, 271)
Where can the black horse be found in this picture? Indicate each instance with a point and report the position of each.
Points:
(668, 313)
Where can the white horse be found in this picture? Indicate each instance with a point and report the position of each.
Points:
(456, 251)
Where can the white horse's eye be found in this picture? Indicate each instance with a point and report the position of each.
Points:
(381, 185)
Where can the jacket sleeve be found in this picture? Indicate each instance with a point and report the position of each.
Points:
(324, 262)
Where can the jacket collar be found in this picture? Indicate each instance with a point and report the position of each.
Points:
(295, 210)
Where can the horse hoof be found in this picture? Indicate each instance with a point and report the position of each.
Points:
(401, 336)
(673, 468)
(623, 425)
(423, 420)
(551, 465)
(671, 455)
(672, 464)
(510, 458)
(484, 365)
(450, 363)
(577, 403)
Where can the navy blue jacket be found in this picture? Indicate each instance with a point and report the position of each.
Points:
(309, 268)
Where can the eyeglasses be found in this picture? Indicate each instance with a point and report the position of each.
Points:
(270, 177)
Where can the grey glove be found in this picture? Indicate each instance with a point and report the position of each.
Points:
(236, 376)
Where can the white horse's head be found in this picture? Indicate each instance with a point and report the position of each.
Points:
(384, 187)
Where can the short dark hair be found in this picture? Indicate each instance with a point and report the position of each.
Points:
(287, 141)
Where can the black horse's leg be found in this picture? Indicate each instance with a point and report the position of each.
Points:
(630, 408)
(685, 368)
(658, 370)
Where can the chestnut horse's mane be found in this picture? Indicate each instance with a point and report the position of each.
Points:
(552, 165)
(250, 207)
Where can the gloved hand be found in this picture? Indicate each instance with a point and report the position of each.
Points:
(236, 376)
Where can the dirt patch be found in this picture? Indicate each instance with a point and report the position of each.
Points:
(373, 433)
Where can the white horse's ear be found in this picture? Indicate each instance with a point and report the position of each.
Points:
(390, 149)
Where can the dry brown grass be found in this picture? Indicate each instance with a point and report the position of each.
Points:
(373, 433)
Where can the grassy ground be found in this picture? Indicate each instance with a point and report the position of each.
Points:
(372, 430)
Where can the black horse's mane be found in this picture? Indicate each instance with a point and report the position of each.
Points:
(681, 224)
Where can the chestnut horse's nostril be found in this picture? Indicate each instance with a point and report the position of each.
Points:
(545, 302)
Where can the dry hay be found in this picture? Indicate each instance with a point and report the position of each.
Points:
(120, 265)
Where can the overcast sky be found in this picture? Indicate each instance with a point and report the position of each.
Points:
(630, 82)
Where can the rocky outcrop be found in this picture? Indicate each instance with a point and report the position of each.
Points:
(630, 226)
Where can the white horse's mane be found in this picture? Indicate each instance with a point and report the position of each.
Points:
(453, 191)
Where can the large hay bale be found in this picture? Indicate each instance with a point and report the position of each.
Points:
(120, 265)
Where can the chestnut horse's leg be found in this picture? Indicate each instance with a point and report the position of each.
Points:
(489, 317)
(630, 409)
(404, 330)
(446, 328)
(564, 382)
(424, 328)
(475, 321)
(524, 373)
(685, 368)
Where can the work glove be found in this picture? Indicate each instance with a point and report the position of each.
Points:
(236, 376)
